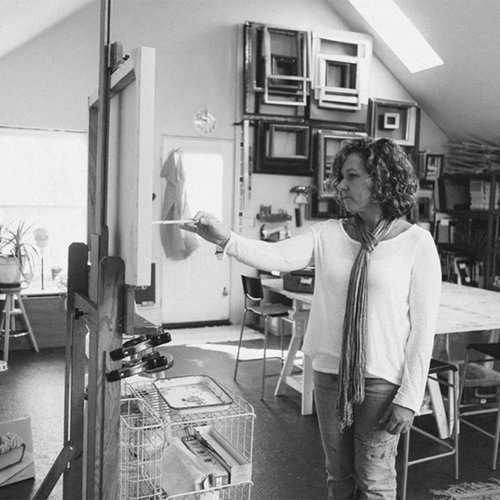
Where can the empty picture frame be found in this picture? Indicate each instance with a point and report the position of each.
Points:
(433, 166)
(284, 69)
(395, 120)
(275, 70)
(328, 143)
(282, 148)
(341, 69)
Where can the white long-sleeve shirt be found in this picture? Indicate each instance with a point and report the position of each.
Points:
(404, 285)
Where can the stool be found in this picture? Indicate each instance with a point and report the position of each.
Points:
(436, 367)
(476, 375)
(9, 314)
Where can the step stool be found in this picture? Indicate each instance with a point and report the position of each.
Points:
(9, 314)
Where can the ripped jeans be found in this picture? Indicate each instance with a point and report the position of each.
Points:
(361, 460)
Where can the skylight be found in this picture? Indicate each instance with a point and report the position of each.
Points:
(397, 31)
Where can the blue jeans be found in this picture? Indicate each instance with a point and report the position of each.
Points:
(361, 460)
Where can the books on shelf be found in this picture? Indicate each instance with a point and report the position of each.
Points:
(480, 194)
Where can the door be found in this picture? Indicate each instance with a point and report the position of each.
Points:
(196, 289)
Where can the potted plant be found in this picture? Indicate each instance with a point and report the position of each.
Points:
(17, 255)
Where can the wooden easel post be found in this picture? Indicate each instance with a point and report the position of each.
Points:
(74, 386)
(101, 305)
(103, 413)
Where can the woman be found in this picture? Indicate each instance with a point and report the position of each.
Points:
(372, 319)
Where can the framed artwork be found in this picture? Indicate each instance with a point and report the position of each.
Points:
(395, 120)
(282, 148)
(433, 167)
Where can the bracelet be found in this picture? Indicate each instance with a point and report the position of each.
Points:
(219, 249)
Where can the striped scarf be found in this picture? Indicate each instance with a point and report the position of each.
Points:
(352, 362)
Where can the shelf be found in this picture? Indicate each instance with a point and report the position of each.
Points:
(453, 247)
(472, 214)
(274, 217)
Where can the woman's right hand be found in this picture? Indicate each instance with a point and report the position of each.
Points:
(209, 228)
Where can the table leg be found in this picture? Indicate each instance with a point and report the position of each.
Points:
(303, 382)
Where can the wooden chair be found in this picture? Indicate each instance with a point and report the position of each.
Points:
(254, 303)
(451, 446)
(476, 375)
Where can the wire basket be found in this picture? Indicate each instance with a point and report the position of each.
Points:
(235, 423)
(227, 492)
(141, 447)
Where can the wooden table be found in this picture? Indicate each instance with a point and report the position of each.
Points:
(462, 309)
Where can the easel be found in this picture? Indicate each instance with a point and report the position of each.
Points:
(101, 304)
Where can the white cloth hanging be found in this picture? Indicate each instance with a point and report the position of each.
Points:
(177, 243)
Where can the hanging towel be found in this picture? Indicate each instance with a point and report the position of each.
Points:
(177, 243)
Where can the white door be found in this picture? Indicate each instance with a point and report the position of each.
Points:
(196, 289)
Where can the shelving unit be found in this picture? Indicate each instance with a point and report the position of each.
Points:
(473, 235)
(235, 423)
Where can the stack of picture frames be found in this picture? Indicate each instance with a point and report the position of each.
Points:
(303, 94)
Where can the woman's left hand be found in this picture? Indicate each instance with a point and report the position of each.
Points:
(397, 419)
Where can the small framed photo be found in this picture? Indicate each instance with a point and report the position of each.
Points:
(391, 121)
(433, 166)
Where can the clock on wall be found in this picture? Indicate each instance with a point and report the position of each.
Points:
(205, 121)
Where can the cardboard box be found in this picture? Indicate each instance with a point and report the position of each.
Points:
(219, 476)
(239, 467)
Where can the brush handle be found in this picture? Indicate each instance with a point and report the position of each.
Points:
(170, 222)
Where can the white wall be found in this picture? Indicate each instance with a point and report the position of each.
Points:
(46, 83)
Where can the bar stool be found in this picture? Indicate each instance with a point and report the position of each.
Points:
(10, 313)
(436, 368)
(254, 303)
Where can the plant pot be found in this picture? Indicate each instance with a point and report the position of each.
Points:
(10, 271)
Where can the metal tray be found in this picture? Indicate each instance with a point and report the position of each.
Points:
(193, 393)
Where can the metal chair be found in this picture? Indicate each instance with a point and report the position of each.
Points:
(254, 303)
(476, 376)
(436, 370)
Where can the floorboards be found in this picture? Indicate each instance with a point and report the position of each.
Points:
(287, 455)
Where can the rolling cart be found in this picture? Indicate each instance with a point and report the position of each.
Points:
(149, 425)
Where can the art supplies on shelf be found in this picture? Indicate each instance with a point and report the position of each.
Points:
(237, 465)
(208, 460)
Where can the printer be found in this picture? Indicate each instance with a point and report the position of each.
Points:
(299, 281)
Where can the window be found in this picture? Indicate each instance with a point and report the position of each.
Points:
(44, 183)
(398, 32)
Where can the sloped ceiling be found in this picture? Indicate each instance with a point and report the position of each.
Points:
(23, 20)
(463, 95)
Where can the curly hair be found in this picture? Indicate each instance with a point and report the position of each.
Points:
(394, 181)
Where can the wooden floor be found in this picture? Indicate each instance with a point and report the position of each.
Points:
(287, 455)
